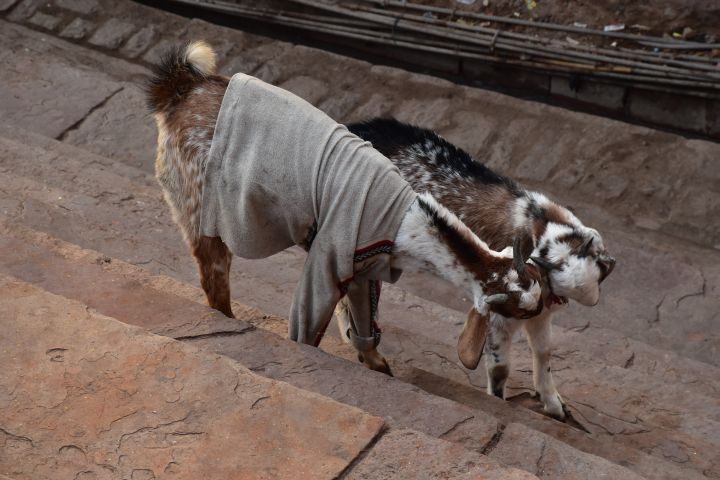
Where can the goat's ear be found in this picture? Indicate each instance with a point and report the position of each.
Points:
(522, 249)
(472, 339)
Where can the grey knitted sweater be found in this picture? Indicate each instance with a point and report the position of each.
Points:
(282, 173)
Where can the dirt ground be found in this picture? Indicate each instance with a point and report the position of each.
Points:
(659, 17)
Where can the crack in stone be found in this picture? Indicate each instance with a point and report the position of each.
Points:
(538, 465)
(457, 424)
(363, 453)
(657, 311)
(701, 293)
(18, 437)
(630, 361)
(63, 135)
(494, 440)
(149, 429)
(223, 333)
(254, 404)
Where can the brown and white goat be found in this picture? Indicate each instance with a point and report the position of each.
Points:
(572, 256)
(185, 96)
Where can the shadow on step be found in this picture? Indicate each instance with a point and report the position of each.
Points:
(515, 409)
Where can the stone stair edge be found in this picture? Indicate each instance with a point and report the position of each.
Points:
(139, 338)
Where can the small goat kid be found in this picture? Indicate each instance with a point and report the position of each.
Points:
(572, 255)
(185, 96)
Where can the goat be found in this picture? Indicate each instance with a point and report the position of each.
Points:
(186, 96)
(572, 256)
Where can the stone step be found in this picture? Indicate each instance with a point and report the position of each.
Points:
(129, 293)
(87, 396)
(621, 417)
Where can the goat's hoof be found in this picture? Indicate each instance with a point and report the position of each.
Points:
(361, 359)
(556, 409)
(384, 369)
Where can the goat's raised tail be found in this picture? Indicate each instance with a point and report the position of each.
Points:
(180, 69)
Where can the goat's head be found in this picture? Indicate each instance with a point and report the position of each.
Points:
(574, 261)
(512, 290)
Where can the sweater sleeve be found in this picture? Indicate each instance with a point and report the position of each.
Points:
(316, 295)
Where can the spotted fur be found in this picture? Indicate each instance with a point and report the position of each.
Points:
(496, 208)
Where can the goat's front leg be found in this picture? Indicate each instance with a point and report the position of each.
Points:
(356, 313)
(213, 258)
(497, 353)
(539, 332)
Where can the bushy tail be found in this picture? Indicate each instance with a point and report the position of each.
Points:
(180, 69)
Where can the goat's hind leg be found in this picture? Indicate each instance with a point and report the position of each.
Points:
(214, 258)
(354, 313)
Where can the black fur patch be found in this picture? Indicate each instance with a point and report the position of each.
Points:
(391, 137)
(171, 79)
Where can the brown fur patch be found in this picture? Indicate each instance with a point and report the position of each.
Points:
(556, 214)
(214, 259)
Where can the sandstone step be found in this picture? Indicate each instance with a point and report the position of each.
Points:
(129, 293)
(691, 415)
(84, 395)
(674, 308)
(208, 416)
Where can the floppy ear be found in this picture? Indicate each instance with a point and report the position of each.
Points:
(523, 247)
(472, 339)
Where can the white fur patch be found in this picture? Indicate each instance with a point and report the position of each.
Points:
(200, 55)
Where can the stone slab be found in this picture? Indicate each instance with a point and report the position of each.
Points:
(77, 29)
(121, 129)
(84, 393)
(43, 94)
(25, 9)
(409, 454)
(85, 7)
(521, 447)
(112, 34)
(129, 294)
(48, 22)
(6, 4)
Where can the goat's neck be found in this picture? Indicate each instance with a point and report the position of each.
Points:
(432, 240)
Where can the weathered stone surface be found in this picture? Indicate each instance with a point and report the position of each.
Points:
(6, 4)
(523, 448)
(408, 454)
(32, 95)
(686, 113)
(339, 107)
(25, 9)
(121, 129)
(86, 7)
(84, 393)
(142, 220)
(48, 22)
(680, 170)
(307, 88)
(424, 112)
(140, 41)
(131, 295)
(112, 34)
(77, 29)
